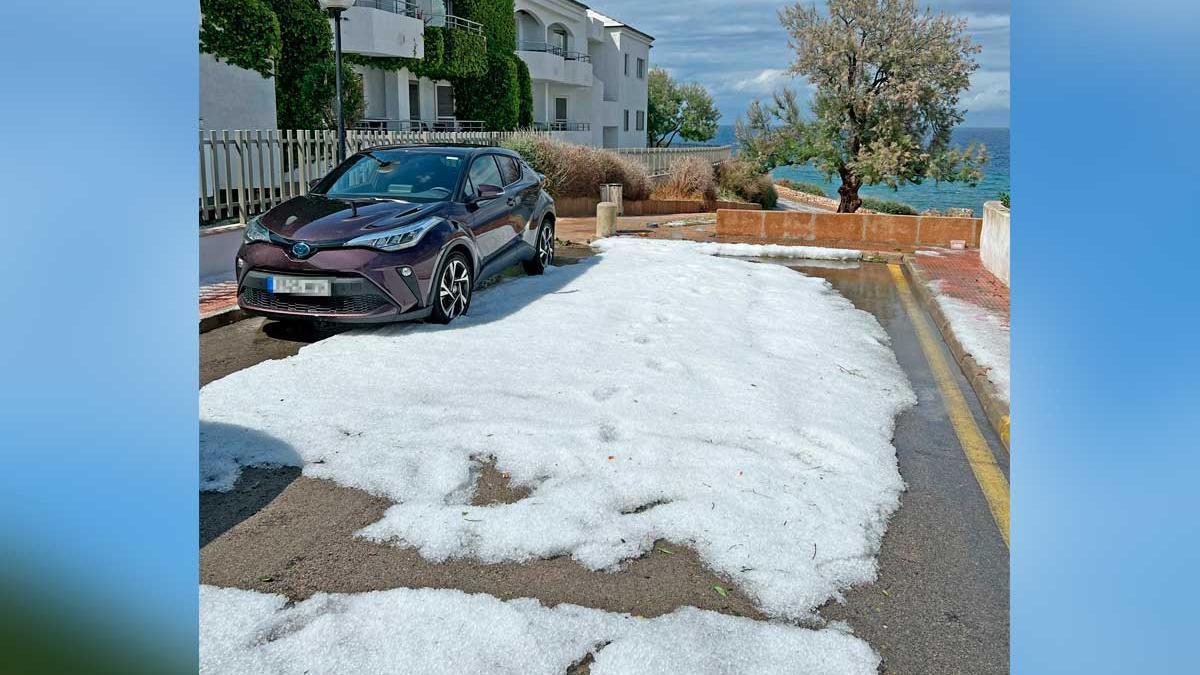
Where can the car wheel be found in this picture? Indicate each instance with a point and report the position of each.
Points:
(543, 251)
(452, 292)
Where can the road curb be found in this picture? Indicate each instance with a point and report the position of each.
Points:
(221, 317)
(996, 409)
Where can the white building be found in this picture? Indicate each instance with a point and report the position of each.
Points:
(588, 71)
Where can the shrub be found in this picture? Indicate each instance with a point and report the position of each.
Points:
(887, 206)
(747, 181)
(801, 186)
(525, 92)
(691, 178)
(242, 32)
(1004, 200)
(577, 170)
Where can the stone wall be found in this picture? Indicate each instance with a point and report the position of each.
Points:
(854, 229)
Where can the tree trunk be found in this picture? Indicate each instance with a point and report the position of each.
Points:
(848, 192)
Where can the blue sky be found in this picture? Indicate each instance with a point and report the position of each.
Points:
(738, 49)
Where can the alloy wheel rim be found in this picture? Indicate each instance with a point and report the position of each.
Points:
(546, 247)
(455, 289)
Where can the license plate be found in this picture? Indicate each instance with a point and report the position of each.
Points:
(298, 285)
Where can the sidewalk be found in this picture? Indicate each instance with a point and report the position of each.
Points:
(971, 308)
(218, 305)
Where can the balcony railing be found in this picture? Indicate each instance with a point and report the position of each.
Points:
(441, 124)
(451, 21)
(405, 7)
(562, 125)
(548, 47)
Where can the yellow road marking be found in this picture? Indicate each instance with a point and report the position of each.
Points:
(991, 479)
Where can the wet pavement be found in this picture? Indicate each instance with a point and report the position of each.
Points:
(940, 604)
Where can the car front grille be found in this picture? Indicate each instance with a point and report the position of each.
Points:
(334, 304)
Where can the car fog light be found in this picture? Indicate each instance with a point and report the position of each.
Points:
(406, 271)
(240, 264)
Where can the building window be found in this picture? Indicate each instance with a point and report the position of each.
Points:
(560, 110)
(445, 101)
(641, 120)
(626, 65)
(626, 120)
(560, 39)
(641, 69)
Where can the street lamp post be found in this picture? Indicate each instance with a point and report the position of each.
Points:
(335, 9)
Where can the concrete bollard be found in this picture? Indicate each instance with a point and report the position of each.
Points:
(606, 219)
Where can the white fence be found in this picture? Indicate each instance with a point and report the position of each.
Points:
(243, 173)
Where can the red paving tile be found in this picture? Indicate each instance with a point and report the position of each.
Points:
(218, 296)
(961, 275)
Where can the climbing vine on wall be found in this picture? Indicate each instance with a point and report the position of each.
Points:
(525, 92)
(304, 90)
(244, 33)
(494, 96)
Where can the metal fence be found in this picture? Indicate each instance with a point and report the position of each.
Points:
(658, 161)
(244, 173)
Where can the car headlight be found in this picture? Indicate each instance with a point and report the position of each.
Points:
(255, 231)
(399, 238)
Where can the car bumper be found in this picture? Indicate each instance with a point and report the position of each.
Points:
(366, 286)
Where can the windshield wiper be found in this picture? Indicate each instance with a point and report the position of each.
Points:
(382, 162)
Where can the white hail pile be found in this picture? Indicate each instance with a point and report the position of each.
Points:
(651, 392)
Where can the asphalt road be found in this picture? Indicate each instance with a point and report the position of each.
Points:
(940, 604)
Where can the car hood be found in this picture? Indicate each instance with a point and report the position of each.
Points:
(316, 218)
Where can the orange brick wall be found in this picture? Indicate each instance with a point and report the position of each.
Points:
(848, 228)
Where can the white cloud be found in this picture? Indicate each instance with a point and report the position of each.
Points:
(989, 91)
(765, 82)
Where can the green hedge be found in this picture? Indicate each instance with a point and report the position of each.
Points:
(887, 206)
(525, 87)
(244, 33)
(493, 97)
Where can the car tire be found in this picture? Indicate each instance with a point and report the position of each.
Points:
(452, 288)
(543, 250)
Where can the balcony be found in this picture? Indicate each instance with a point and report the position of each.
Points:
(562, 125)
(457, 22)
(384, 28)
(550, 62)
(439, 124)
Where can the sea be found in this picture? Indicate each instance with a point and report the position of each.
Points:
(927, 195)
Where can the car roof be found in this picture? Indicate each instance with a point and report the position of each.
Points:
(456, 149)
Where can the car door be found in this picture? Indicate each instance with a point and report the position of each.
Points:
(491, 219)
(517, 184)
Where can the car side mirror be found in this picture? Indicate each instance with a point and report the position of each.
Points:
(542, 179)
(486, 192)
(313, 183)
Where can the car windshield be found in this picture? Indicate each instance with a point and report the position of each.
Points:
(396, 174)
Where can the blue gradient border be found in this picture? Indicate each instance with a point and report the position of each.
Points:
(1106, 415)
(98, 355)
(98, 352)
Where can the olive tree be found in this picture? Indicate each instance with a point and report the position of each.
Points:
(886, 81)
(679, 109)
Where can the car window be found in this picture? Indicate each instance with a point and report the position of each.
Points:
(509, 169)
(418, 177)
(483, 172)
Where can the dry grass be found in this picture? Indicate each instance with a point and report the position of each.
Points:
(579, 171)
(744, 180)
(691, 178)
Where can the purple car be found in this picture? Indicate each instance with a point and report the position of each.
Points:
(396, 233)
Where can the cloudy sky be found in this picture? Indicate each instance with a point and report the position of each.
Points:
(738, 49)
